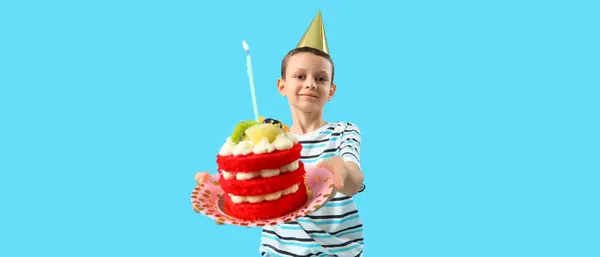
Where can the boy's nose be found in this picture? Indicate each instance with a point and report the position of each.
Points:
(309, 83)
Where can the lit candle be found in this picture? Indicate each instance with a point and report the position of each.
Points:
(251, 78)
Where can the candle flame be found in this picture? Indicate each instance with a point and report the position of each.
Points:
(245, 45)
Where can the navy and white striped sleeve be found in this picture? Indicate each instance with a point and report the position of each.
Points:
(350, 144)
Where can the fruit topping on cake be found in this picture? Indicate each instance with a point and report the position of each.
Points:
(258, 138)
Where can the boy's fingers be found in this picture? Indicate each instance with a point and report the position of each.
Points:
(202, 177)
(324, 165)
(198, 177)
(337, 181)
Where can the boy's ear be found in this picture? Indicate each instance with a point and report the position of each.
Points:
(332, 90)
(281, 86)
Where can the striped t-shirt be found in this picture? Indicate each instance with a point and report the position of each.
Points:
(336, 228)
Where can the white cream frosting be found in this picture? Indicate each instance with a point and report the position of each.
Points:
(292, 137)
(227, 175)
(227, 148)
(283, 141)
(264, 147)
(245, 176)
(268, 197)
(269, 173)
(263, 173)
(290, 167)
(243, 148)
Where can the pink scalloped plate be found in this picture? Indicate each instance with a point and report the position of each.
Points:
(207, 199)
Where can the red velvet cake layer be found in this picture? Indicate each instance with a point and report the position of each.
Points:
(263, 186)
(266, 209)
(257, 162)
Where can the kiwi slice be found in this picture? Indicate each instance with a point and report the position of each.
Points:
(239, 133)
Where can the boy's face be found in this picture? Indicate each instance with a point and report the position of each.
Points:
(307, 83)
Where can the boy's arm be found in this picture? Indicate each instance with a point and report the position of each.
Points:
(350, 152)
(354, 179)
(348, 177)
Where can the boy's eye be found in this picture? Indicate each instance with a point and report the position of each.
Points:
(323, 79)
(299, 76)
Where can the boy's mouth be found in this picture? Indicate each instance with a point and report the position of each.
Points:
(308, 95)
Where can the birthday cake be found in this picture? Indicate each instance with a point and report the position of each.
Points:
(260, 171)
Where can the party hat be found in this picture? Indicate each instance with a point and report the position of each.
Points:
(315, 35)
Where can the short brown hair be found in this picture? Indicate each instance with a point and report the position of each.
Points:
(306, 49)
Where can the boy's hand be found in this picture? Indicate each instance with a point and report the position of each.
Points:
(203, 177)
(337, 167)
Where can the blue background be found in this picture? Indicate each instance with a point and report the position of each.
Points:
(479, 121)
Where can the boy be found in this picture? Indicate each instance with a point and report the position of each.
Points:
(335, 229)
